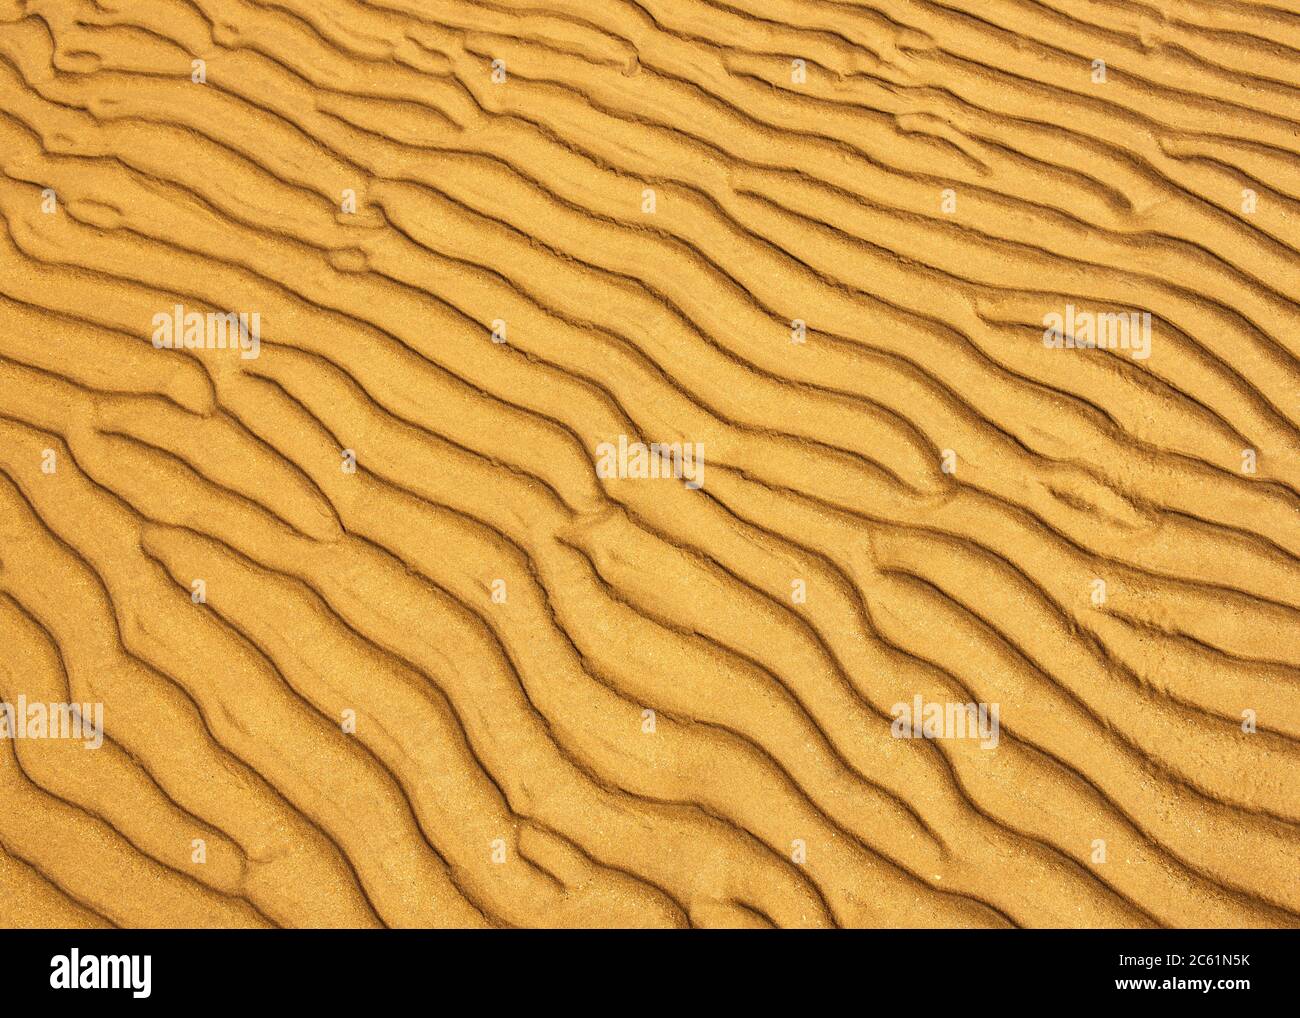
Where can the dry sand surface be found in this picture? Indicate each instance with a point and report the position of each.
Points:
(966, 334)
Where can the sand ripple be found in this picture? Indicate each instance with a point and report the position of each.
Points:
(473, 681)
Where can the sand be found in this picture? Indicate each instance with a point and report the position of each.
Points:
(793, 463)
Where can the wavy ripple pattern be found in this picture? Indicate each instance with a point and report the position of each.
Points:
(378, 642)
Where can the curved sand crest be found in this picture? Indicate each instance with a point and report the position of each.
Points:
(451, 662)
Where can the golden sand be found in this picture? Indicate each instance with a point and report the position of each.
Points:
(386, 626)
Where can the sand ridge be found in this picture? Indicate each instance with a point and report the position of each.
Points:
(383, 639)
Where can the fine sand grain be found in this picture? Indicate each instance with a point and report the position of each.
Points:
(967, 335)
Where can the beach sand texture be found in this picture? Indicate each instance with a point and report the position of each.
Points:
(386, 628)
